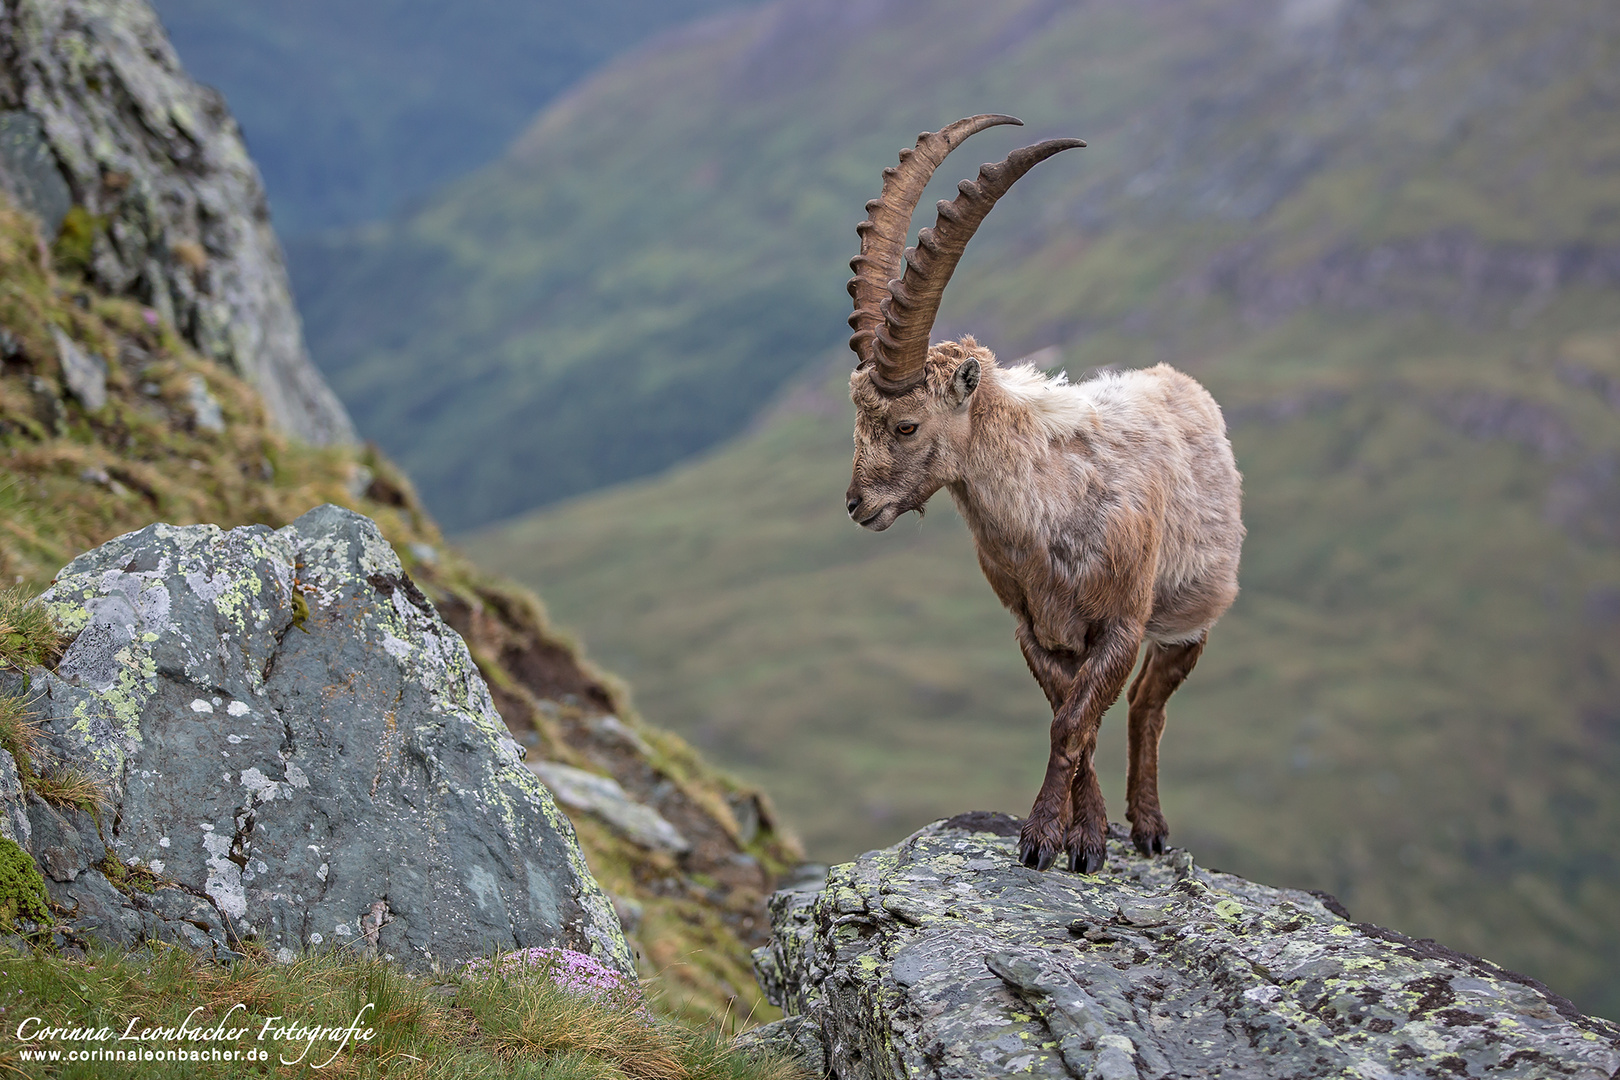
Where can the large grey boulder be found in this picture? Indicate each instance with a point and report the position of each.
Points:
(943, 957)
(297, 751)
(95, 110)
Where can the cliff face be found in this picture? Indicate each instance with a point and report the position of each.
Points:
(943, 957)
(142, 178)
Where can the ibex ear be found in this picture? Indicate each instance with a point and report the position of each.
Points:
(965, 381)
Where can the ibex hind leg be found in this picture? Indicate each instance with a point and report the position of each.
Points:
(1164, 669)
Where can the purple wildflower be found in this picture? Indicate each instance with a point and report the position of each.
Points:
(571, 971)
(150, 316)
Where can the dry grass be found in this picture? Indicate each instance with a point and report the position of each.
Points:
(65, 785)
(19, 733)
(39, 770)
(488, 1026)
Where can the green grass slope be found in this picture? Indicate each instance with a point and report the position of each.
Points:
(275, 1018)
(666, 246)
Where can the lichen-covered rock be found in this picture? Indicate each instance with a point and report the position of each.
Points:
(96, 111)
(298, 751)
(943, 957)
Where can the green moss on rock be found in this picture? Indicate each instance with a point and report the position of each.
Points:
(22, 889)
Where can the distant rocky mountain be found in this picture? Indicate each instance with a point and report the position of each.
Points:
(354, 109)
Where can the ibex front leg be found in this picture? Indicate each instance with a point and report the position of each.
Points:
(1069, 814)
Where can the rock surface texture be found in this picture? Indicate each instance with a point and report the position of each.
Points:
(98, 118)
(942, 957)
(297, 750)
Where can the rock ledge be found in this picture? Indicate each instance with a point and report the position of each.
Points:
(942, 957)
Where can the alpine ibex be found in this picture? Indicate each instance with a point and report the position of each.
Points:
(1103, 513)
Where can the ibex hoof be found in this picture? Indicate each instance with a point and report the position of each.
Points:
(1036, 856)
(1086, 861)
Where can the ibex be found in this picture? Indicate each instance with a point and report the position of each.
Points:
(1104, 513)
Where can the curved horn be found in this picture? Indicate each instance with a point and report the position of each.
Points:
(883, 233)
(901, 345)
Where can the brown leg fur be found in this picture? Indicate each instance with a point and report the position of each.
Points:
(1069, 813)
(1054, 671)
(1163, 670)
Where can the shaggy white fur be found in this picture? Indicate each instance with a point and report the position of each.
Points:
(1059, 409)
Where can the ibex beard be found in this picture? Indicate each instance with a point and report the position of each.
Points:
(1105, 515)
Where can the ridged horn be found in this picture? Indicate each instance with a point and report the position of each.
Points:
(901, 343)
(883, 233)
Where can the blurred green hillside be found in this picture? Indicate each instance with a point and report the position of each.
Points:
(353, 109)
(1387, 236)
(666, 246)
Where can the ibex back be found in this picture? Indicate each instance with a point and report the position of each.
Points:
(1104, 513)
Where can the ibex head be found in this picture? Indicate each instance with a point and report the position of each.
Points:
(913, 418)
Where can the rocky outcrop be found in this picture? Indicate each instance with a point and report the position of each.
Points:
(294, 749)
(943, 957)
(143, 174)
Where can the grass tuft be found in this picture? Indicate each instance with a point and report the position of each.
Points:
(65, 785)
(38, 769)
(28, 635)
(19, 735)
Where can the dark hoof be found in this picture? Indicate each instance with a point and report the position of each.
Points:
(1036, 856)
(1086, 861)
(1150, 843)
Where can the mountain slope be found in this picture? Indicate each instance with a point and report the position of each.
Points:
(1386, 236)
(354, 109)
(666, 246)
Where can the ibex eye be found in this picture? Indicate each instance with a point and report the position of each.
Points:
(905, 429)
